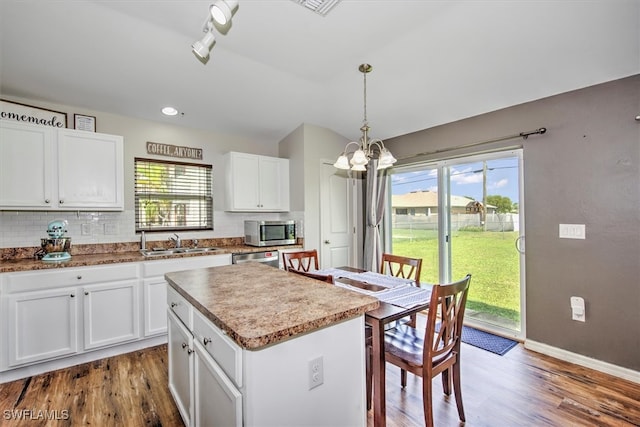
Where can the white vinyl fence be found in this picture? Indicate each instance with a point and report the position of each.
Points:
(495, 222)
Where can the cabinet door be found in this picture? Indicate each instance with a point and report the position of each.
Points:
(90, 170)
(27, 156)
(155, 306)
(111, 313)
(217, 401)
(180, 345)
(244, 193)
(42, 325)
(274, 184)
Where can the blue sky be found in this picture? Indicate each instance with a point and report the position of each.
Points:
(466, 179)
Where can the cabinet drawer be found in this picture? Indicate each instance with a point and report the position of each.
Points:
(49, 279)
(162, 267)
(179, 306)
(223, 350)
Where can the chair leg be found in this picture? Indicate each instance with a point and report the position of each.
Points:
(446, 381)
(426, 401)
(457, 390)
(403, 378)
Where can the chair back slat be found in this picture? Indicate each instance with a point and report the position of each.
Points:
(401, 266)
(300, 260)
(447, 305)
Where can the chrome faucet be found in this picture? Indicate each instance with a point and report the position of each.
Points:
(176, 239)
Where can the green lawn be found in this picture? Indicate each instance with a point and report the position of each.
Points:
(490, 257)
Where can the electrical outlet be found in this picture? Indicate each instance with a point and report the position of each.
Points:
(572, 231)
(316, 372)
(86, 229)
(111, 228)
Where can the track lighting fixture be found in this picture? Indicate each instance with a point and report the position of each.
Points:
(202, 47)
(220, 14)
(222, 10)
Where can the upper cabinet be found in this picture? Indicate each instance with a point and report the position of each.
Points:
(60, 169)
(256, 183)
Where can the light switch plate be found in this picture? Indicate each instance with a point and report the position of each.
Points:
(572, 231)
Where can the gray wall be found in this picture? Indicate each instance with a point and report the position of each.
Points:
(307, 147)
(585, 170)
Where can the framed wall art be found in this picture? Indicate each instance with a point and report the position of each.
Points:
(82, 122)
(18, 112)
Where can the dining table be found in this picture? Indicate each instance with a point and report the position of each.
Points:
(390, 310)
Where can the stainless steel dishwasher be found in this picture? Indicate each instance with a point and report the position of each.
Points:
(267, 257)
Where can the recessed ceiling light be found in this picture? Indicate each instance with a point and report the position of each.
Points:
(169, 111)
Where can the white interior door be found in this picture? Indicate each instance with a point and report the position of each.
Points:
(336, 223)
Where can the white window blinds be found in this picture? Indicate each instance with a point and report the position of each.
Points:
(172, 196)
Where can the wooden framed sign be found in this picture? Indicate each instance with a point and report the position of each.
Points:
(169, 150)
(82, 122)
(17, 112)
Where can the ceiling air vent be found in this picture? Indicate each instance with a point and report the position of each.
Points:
(321, 7)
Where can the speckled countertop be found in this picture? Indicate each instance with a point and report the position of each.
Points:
(257, 305)
(22, 259)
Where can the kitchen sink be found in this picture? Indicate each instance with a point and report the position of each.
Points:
(175, 251)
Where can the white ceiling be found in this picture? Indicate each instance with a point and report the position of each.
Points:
(281, 65)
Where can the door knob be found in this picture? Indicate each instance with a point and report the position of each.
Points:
(327, 242)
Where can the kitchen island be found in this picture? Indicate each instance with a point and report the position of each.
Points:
(253, 345)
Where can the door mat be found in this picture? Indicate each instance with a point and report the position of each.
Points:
(486, 341)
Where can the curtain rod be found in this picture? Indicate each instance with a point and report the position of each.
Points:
(523, 135)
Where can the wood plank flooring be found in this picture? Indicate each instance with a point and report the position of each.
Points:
(521, 388)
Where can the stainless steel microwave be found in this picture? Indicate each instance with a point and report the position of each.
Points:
(269, 233)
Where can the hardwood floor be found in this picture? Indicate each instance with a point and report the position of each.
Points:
(521, 388)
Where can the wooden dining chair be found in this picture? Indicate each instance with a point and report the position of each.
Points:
(323, 277)
(405, 267)
(430, 352)
(300, 260)
(401, 266)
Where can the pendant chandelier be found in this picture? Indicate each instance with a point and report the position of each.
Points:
(365, 147)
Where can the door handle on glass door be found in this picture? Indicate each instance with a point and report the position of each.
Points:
(519, 245)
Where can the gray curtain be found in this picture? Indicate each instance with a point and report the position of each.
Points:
(375, 204)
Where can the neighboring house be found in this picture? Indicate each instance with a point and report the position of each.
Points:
(426, 203)
(419, 210)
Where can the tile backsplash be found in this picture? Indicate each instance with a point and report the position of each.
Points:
(26, 228)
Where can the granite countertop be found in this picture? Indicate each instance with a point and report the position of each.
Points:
(257, 305)
(113, 254)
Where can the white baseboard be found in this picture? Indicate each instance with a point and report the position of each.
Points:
(587, 362)
(65, 362)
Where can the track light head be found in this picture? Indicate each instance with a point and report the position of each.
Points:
(223, 10)
(202, 47)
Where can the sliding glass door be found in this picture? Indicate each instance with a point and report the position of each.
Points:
(464, 216)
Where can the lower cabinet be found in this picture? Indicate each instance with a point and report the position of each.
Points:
(111, 313)
(180, 347)
(41, 325)
(203, 393)
(51, 314)
(217, 401)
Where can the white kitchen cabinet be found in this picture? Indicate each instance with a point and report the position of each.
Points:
(256, 183)
(180, 348)
(155, 313)
(155, 286)
(60, 169)
(27, 164)
(90, 171)
(233, 386)
(50, 314)
(217, 402)
(204, 394)
(42, 325)
(111, 313)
